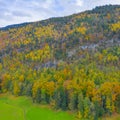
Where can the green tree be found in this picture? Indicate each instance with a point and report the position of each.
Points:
(73, 103)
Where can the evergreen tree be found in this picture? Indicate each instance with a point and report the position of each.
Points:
(58, 100)
(64, 98)
(80, 104)
(38, 95)
(73, 105)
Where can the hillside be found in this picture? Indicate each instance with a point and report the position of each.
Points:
(71, 62)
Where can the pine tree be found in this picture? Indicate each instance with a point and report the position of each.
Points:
(64, 96)
(73, 105)
(80, 104)
(58, 100)
(38, 95)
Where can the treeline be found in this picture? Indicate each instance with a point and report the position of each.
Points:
(90, 86)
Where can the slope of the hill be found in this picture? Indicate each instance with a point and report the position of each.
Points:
(70, 62)
(63, 35)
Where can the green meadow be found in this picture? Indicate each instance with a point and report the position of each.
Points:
(22, 108)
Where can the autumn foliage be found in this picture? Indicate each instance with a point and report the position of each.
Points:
(71, 63)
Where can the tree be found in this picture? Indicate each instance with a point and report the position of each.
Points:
(58, 99)
(98, 112)
(36, 92)
(73, 103)
(80, 105)
(86, 104)
(29, 90)
(64, 97)
(61, 98)
(16, 89)
(38, 96)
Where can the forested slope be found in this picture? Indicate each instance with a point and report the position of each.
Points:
(72, 62)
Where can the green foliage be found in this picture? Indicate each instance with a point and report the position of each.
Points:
(71, 62)
(73, 101)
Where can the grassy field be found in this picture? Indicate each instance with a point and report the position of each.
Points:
(21, 108)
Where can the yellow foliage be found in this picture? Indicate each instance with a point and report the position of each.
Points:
(0, 66)
(81, 30)
(16, 89)
(115, 27)
(50, 87)
(39, 55)
(21, 78)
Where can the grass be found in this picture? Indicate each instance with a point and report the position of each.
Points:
(22, 108)
(8, 112)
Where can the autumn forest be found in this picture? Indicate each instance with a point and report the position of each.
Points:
(71, 63)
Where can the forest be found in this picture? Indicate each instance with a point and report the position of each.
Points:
(71, 63)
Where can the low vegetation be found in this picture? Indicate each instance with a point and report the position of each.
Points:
(22, 108)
